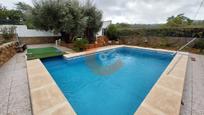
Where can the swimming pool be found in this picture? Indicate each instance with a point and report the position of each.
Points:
(112, 82)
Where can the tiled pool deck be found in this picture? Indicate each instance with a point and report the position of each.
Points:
(14, 91)
(14, 96)
(193, 93)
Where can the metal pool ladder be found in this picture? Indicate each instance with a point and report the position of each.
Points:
(181, 48)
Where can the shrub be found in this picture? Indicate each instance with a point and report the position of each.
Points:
(199, 44)
(160, 32)
(8, 32)
(80, 44)
(112, 32)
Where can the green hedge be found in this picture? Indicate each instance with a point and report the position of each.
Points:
(160, 32)
(199, 44)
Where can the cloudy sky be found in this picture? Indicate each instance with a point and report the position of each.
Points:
(139, 11)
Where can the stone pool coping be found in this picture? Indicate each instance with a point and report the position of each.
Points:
(163, 99)
(91, 51)
(46, 97)
(165, 96)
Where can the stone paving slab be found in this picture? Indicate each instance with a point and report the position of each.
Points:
(193, 94)
(14, 96)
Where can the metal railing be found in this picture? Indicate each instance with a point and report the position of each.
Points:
(181, 48)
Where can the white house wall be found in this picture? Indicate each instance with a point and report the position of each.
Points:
(104, 26)
(23, 31)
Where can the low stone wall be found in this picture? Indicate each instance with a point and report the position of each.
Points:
(37, 40)
(7, 51)
(154, 41)
(3, 40)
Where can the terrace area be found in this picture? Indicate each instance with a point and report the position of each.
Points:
(15, 97)
(59, 57)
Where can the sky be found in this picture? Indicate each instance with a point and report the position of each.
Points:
(139, 11)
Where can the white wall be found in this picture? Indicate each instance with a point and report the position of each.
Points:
(23, 31)
(104, 26)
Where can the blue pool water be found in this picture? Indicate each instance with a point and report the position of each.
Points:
(114, 82)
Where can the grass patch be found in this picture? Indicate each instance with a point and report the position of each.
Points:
(35, 53)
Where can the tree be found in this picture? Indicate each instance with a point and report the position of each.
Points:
(3, 12)
(63, 17)
(10, 16)
(94, 22)
(27, 13)
(75, 22)
(47, 14)
(23, 7)
(178, 21)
